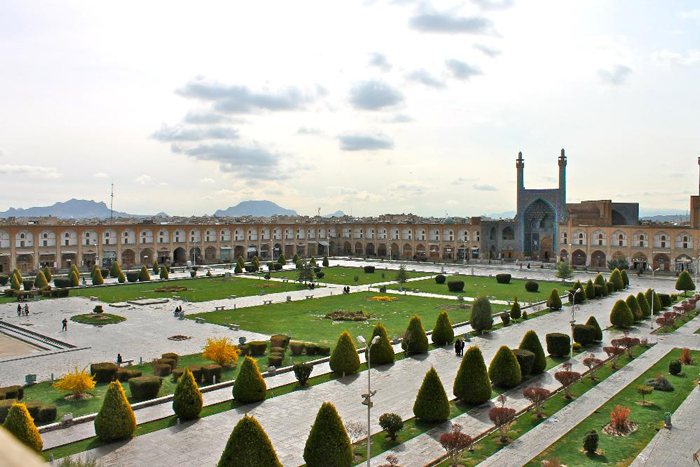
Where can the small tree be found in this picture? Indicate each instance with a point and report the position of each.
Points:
(472, 384)
(482, 315)
(620, 418)
(616, 278)
(415, 341)
(97, 278)
(532, 343)
(392, 424)
(554, 301)
(502, 418)
(567, 378)
(16, 284)
(144, 276)
(564, 270)
(382, 352)
(356, 431)
(344, 359)
(156, 268)
(627, 343)
(442, 332)
(240, 262)
(255, 262)
(592, 364)
(684, 282)
(164, 274)
(621, 315)
(40, 280)
(249, 445)
(598, 332)
(302, 372)
(644, 305)
(47, 273)
(504, 369)
(644, 390)
(249, 386)
(328, 443)
(590, 442)
(116, 419)
(78, 382)
(613, 353)
(306, 274)
(634, 307)
(21, 425)
(221, 351)
(431, 403)
(625, 277)
(401, 275)
(537, 395)
(686, 357)
(454, 442)
(282, 260)
(589, 290)
(325, 262)
(115, 270)
(122, 278)
(238, 269)
(515, 312)
(187, 400)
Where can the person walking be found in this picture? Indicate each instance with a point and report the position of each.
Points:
(26, 309)
(65, 325)
(457, 348)
(19, 309)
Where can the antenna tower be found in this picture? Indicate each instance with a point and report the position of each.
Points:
(111, 205)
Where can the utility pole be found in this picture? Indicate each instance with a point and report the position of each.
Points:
(111, 206)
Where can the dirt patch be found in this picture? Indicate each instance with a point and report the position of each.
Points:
(630, 428)
(348, 316)
(179, 337)
(171, 288)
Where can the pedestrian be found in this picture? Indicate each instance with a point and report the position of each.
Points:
(26, 309)
(119, 359)
(65, 325)
(19, 309)
(457, 347)
(461, 348)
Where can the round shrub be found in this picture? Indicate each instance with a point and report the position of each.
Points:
(503, 278)
(124, 374)
(391, 423)
(675, 367)
(257, 348)
(532, 343)
(382, 352)
(554, 301)
(482, 316)
(558, 344)
(584, 334)
(105, 372)
(590, 442)
(275, 360)
(455, 286)
(171, 362)
(431, 403)
(21, 425)
(665, 300)
(320, 275)
(296, 347)
(249, 386)
(443, 333)
(415, 341)
(505, 318)
(116, 419)
(532, 286)
(504, 369)
(526, 360)
(580, 295)
(279, 340)
(598, 332)
(472, 384)
(249, 445)
(621, 315)
(47, 413)
(171, 356)
(161, 369)
(440, 279)
(328, 443)
(611, 287)
(302, 372)
(145, 387)
(600, 280)
(369, 269)
(132, 276)
(196, 372)
(345, 359)
(187, 400)
(212, 373)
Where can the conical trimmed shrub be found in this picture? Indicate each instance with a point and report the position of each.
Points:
(121, 278)
(431, 403)
(21, 425)
(144, 275)
(653, 296)
(515, 312)
(115, 270)
(15, 283)
(249, 446)
(634, 308)
(482, 315)
(415, 340)
(616, 278)
(325, 262)
(382, 352)
(164, 274)
(47, 273)
(625, 278)
(97, 278)
(685, 282)
(472, 384)
(187, 400)
(504, 369)
(621, 316)
(443, 333)
(643, 305)
(328, 443)
(554, 300)
(344, 359)
(249, 385)
(116, 419)
(238, 269)
(40, 280)
(155, 268)
(589, 290)
(600, 280)
(532, 343)
(598, 332)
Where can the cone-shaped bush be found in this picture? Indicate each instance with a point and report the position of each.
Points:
(472, 384)
(600, 280)
(238, 269)
(382, 352)
(325, 262)
(282, 260)
(115, 420)
(532, 343)
(156, 268)
(249, 385)
(598, 332)
(634, 307)
(249, 446)
(144, 275)
(554, 301)
(164, 274)
(515, 312)
(589, 290)
(621, 316)
(649, 295)
(414, 339)
(15, 283)
(504, 369)
(443, 333)
(482, 315)
(616, 278)
(685, 282)
(47, 273)
(115, 270)
(21, 425)
(431, 403)
(344, 359)
(328, 443)
(15, 272)
(187, 400)
(643, 305)
(40, 280)
(121, 278)
(97, 278)
(625, 278)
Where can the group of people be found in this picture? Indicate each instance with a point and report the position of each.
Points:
(22, 312)
(178, 310)
(311, 285)
(346, 289)
(459, 347)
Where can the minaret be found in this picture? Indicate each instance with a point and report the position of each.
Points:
(562, 185)
(520, 165)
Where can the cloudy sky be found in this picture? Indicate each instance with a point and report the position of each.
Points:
(369, 107)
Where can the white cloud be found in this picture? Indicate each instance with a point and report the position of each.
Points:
(666, 57)
(365, 142)
(207, 180)
(425, 78)
(615, 76)
(143, 179)
(484, 187)
(100, 175)
(374, 95)
(692, 15)
(380, 61)
(30, 171)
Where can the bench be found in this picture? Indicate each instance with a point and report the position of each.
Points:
(199, 320)
(309, 297)
(267, 302)
(219, 308)
(231, 296)
(234, 327)
(125, 363)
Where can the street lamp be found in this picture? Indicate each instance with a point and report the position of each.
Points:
(368, 397)
(651, 305)
(573, 319)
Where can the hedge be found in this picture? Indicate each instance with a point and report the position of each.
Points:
(21, 425)
(12, 392)
(257, 348)
(132, 276)
(187, 400)
(415, 340)
(482, 316)
(558, 344)
(4, 279)
(116, 419)
(382, 352)
(665, 300)
(345, 360)
(124, 374)
(145, 387)
(249, 386)
(279, 340)
(621, 316)
(196, 372)
(526, 360)
(62, 282)
(532, 286)
(431, 403)
(328, 443)
(213, 373)
(532, 343)
(443, 333)
(296, 347)
(455, 286)
(503, 278)
(584, 334)
(440, 279)
(504, 369)
(105, 372)
(249, 445)
(369, 269)
(472, 384)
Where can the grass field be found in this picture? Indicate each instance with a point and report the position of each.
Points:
(475, 286)
(304, 320)
(97, 319)
(623, 450)
(346, 276)
(46, 394)
(198, 290)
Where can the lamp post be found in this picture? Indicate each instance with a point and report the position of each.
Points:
(651, 305)
(368, 397)
(573, 320)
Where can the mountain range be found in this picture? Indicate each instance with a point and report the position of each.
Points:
(71, 209)
(260, 208)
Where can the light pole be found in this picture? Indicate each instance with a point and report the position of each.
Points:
(368, 397)
(651, 305)
(573, 320)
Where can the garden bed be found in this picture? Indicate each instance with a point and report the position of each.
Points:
(97, 319)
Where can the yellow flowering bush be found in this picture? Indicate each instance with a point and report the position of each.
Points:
(221, 351)
(79, 382)
(383, 298)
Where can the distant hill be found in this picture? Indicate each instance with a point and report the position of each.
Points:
(501, 215)
(260, 208)
(667, 218)
(336, 214)
(71, 209)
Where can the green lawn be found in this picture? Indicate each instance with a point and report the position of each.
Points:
(346, 276)
(97, 319)
(304, 319)
(623, 450)
(676, 324)
(198, 290)
(475, 286)
(46, 394)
